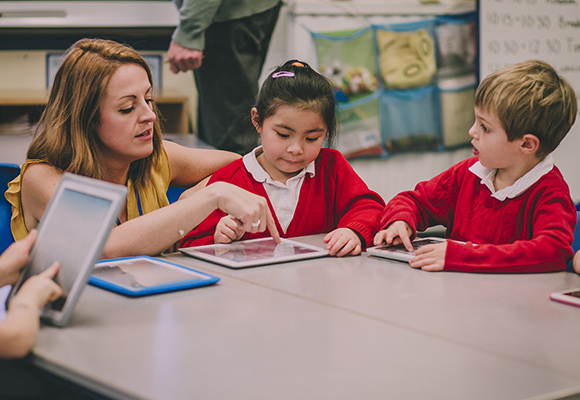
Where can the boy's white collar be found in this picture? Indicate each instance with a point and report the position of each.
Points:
(520, 186)
(251, 163)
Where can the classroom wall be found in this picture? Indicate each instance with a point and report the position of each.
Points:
(26, 70)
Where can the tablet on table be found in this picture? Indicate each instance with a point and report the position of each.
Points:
(254, 252)
(144, 275)
(399, 252)
(571, 297)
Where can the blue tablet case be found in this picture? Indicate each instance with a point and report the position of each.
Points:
(151, 276)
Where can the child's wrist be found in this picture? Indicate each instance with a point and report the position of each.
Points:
(21, 305)
(26, 298)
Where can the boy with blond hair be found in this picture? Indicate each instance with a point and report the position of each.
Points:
(508, 209)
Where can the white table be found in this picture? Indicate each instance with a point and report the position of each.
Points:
(350, 328)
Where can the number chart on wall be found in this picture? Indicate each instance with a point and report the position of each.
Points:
(517, 30)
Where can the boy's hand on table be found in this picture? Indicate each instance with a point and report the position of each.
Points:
(430, 257)
(342, 241)
(396, 233)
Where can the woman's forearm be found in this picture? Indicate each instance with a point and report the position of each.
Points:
(154, 232)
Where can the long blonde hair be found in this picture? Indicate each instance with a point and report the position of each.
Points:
(66, 135)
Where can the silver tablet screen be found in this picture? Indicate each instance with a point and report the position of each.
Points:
(255, 250)
(69, 235)
(143, 273)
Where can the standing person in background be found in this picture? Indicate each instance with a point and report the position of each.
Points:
(225, 43)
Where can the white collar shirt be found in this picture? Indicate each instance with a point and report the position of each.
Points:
(284, 197)
(487, 176)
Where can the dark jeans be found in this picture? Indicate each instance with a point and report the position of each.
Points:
(227, 82)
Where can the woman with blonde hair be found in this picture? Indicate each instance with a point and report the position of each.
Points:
(101, 121)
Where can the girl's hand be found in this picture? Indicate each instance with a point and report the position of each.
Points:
(14, 258)
(396, 233)
(343, 241)
(576, 262)
(228, 230)
(39, 289)
(250, 210)
(430, 257)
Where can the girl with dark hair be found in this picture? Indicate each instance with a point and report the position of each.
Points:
(310, 189)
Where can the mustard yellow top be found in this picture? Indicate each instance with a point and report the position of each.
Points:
(152, 197)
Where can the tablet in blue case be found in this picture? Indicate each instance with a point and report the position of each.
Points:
(144, 275)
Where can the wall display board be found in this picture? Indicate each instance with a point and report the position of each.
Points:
(549, 30)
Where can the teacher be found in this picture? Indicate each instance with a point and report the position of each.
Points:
(101, 122)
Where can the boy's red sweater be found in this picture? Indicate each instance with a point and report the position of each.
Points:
(530, 233)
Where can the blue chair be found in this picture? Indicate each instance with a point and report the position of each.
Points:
(173, 193)
(7, 173)
(576, 243)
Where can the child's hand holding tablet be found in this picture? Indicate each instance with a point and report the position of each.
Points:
(427, 254)
(399, 251)
(399, 232)
(431, 256)
(72, 231)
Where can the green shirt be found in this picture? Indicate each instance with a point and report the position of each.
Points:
(195, 16)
